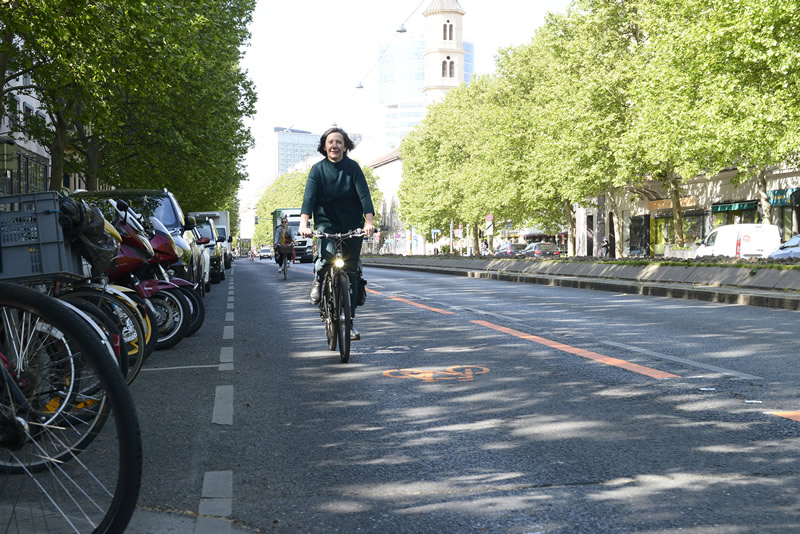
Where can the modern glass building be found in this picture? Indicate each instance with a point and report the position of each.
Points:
(294, 146)
(401, 78)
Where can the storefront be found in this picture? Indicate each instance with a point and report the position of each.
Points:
(786, 204)
(734, 213)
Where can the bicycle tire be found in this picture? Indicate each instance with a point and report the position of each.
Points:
(343, 318)
(125, 313)
(285, 268)
(172, 310)
(109, 327)
(328, 308)
(53, 491)
(197, 312)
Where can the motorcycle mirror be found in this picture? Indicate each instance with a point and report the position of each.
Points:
(122, 205)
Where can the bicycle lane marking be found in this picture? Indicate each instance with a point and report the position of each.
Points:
(601, 358)
(608, 360)
(412, 303)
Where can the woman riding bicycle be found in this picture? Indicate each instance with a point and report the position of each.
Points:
(338, 197)
(283, 239)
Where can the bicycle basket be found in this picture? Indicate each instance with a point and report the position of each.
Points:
(32, 244)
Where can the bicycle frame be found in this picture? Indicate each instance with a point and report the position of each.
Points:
(335, 306)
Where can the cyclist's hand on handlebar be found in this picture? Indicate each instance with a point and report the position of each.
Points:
(369, 229)
(305, 231)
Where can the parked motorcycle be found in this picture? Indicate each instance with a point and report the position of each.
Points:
(139, 266)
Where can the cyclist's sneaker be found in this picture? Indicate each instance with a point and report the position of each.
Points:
(316, 290)
(354, 335)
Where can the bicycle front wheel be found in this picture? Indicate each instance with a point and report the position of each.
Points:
(62, 396)
(328, 305)
(344, 319)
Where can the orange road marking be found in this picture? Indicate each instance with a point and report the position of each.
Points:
(608, 360)
(417, 304)
(461, 373)
(795, 416)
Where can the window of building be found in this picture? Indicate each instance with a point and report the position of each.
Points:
(444, 69)
(444, 32)
(452, 69)
(451, 32)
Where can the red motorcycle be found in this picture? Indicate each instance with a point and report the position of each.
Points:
(140, 265)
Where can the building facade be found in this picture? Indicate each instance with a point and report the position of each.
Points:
(409, 76)
(24, 164)
(643, 224)
(415, 73)
(293, 146)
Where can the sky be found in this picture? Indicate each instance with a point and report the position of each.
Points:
(306, 58)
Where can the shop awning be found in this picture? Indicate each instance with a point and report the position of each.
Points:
(734, 206)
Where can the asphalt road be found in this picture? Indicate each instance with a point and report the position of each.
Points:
(471, 406)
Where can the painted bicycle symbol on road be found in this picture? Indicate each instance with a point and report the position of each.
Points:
(459, 373)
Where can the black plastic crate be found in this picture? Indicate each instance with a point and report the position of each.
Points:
(32, 243)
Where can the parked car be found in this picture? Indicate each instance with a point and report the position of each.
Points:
(510, 250)
(790, 249)
(541, 250)
(265, 252)
(163, 205)
(205, 260)
(741, 241)
(207, 228)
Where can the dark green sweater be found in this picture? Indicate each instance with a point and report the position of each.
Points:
(337, 196)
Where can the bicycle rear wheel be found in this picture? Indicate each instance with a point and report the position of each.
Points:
(60, 391)
(125, 313)
(343, 317)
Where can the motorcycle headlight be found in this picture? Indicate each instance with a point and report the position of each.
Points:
(338, 262)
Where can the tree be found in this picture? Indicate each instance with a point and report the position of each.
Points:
(287, 192)
(145, 94)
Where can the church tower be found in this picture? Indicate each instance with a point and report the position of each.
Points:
(444, 49)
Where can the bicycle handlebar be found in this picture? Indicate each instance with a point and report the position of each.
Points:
(358, 232)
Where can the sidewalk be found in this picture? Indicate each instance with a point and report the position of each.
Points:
(770, 288)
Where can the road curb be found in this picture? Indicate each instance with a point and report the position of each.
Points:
(709, 284)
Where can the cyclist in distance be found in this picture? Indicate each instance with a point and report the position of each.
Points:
(283, 236)
(338, 197)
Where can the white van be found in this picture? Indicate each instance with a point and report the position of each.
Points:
(741, 241)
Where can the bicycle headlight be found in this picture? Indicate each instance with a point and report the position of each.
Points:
(338, 262)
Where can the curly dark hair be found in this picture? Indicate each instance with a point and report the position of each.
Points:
(348, 143)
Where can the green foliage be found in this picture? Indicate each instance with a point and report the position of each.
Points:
(604, 98)
(146, 94)
(287, 192)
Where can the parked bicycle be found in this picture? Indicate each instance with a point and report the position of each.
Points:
(70, 447)
(335, 308)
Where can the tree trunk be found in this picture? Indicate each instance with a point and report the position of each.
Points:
(5, 58)
(92, 166)
(763, 198)
(674, 188)
(619, 227)
(569, 212)
(57, 153)
(476, 243)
